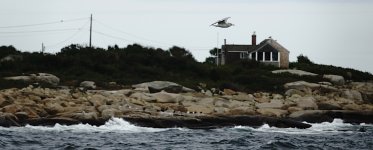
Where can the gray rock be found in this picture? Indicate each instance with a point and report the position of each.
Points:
(234, 104)
(229, 92)
(206, 101)
(306, 102)
(185, 89)
(328, 106)
(272, 112)
(88, 84)
(8, 119)
(327, 88)
(352, 94)
(43, 78)
(294, 109)
(4, 101)
(142, 96)
(277, 96)
(220, 110)
(362, 86)
(208, 93)
(200, 109)
(308, 87)
(97, 100)
(296, 72)
(242, 111)
(243, 97)
(291, 92)
(221, 103)
(53, 108)
(302, 113)
(109, 113)
(273, 104)
(22, 115)
(20, 78)
(157, 86)
(352, 106)
(164, 97)
(366, 90)
(325, 83)
(85, 116)
(335, 79)
(301, 85)
(46, 78)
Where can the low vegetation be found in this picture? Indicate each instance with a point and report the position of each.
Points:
(135, 64)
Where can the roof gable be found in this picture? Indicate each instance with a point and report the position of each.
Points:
(254, 48)
(273, 44)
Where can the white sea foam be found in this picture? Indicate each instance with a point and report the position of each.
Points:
(317, 128)
(113, 125)
(121, 126)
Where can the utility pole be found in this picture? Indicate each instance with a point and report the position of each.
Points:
(217, 48)
(90, 34)
(42, 48)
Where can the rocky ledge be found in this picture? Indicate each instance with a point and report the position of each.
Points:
(166, 104)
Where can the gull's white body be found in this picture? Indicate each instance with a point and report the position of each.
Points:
(222, 23)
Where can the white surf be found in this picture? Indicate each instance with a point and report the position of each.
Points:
(112, 125)
(317, 128)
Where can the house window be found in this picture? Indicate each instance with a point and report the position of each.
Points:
(253, 56)
(267, 56)
(243, 55)
(275, 56)
(260, 56)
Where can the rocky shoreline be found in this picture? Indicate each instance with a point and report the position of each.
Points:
(163, 104)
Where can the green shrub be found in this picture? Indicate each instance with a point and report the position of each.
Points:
(134, 64)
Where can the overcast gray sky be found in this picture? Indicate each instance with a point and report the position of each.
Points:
(335, 32)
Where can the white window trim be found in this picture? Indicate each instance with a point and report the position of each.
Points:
(244, 55)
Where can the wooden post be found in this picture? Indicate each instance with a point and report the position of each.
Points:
(271, 56)
(90, 34)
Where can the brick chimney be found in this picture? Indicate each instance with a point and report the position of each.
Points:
(253, 39)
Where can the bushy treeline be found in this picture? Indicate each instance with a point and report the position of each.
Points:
(135, 64)
(305, 64)
(132, 64)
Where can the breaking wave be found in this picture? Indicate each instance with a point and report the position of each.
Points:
(112, 125)
(317, 128)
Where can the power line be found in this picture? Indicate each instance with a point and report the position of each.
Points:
(124, 39)
(45, 23)
(29, 34)
(34, 31)
(111, 36)
(120, 38)
(162, 44)
(70, 37)
(133, 35)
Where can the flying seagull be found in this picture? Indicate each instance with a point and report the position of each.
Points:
(222, 23)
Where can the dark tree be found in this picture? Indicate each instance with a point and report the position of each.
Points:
(8, 50)
(304, 59)
(178, 52)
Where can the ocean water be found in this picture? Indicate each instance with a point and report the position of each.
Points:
(119, 134)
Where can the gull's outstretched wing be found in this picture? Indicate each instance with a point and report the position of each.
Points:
(222, 21)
